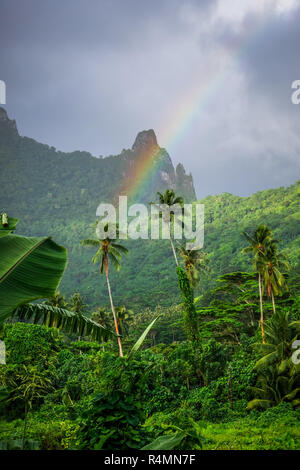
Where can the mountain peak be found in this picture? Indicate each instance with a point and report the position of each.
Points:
(145, 140)
(5, 121)
(3, 115)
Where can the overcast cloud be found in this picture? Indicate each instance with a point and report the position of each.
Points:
(212, 78)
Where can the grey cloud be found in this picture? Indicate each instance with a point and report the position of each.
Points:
(90, 75)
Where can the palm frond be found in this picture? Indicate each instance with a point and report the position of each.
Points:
(119, 247)
(114, 260)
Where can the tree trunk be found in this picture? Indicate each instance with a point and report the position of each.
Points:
(113, 310)
(187, 383)
(273, 303)
(261, 309)
(230, 388)
(172, 245)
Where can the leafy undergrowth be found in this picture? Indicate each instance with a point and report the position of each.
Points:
(275, 429)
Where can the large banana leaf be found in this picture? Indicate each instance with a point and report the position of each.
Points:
(66, 320)
(30, 268)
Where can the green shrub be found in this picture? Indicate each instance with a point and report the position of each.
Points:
(112, 421)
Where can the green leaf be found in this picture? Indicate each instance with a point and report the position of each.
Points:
(30, 268)
(258, 404)
(63, 319)
(141, 339)
(292, 395)
(266, 361)
(166, 442)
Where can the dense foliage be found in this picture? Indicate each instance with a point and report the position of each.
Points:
(58, 195)
(180, 350)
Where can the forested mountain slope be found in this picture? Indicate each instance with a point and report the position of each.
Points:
(54, 193)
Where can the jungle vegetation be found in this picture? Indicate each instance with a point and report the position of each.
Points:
(215, 367)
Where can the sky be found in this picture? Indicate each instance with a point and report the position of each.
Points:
(211, 77)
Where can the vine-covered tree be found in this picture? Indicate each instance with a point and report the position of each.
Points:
(195, 261)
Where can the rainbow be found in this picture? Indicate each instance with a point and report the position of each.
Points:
(190, 106)
(140, 173)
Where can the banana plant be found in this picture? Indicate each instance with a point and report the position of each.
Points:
(61, 318)
(31, 269)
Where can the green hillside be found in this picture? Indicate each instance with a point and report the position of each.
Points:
(57, 194)
(202, 376)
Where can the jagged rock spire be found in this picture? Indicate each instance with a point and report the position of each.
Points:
(145, 140)
(5, 121)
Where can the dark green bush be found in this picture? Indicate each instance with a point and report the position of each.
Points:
(112, 421)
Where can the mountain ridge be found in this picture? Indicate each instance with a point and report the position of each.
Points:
(144, 147)
(57, 194)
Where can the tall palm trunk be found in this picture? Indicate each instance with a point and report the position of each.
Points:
(113, 308)
(172, 245)
(273, 303)
(261, 309)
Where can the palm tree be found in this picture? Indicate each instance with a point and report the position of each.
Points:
(57, 300)
(257, 246)
(108, 250)
(279, 378)
(78, 306)
(124, 315)
(170, 199)
(270, 262)
(100, 316)
(194, 262)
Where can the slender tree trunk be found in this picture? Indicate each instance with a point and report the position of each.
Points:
(172, 245)
(230, 387)
(273, 303)
(25, 426)
(252, 318)
(261, 309)
(113, 310)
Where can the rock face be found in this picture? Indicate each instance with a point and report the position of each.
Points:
(145, 141)
(153, 165)
(7, 126)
